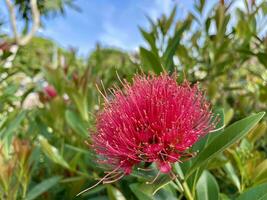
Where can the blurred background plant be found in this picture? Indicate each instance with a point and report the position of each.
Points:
(49, 98)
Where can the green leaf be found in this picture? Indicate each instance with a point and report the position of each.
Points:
(218, 114)
(207, 187)
(10, 126)
(52, 152)
(264, 7)
(149, 60)
(223, 197)
(257, 132)
(255, 193)
(139, 192)
(114, 193)
(13, 124)
(230, 171)
(228, 116)
(100, 197)
(228, 137)
(149, 37)
(75, 122)
(170, 20)
(95, 190)
(262, 58)
(145, 191)
(77, 149)
(207, 24)
(174, 43)
(220, 18)
(260, 173)
(200, 5)
(42, 187)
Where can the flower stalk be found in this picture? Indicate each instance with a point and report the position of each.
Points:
(187, 191)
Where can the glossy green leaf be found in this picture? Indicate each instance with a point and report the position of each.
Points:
(42, 187)
(218, 117)
(228, 137)
(218, 162)
(207, 187)
(256, 193)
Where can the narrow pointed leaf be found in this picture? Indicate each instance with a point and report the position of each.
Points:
(228, 137)
(150, 60)
(42, 187)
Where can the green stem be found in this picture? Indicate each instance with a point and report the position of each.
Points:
(187, 191)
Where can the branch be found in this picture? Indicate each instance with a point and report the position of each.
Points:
(35, 24)
(13, 21)
(23, 40)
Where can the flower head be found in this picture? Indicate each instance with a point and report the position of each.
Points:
(154, 120)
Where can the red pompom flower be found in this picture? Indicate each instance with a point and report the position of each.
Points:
(154, 120)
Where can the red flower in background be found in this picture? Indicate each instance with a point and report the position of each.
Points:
(50, 91)
(154, 120)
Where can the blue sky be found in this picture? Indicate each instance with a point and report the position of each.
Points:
(110, 22)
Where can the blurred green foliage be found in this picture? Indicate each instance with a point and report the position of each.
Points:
(43, 154)
(106, 63)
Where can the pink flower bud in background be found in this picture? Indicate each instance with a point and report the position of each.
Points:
(50, 91)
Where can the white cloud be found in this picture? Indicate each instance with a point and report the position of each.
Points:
(117, 27)
(158, 8)
(113, 35)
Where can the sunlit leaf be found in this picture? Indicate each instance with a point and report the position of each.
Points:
(207, 187)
